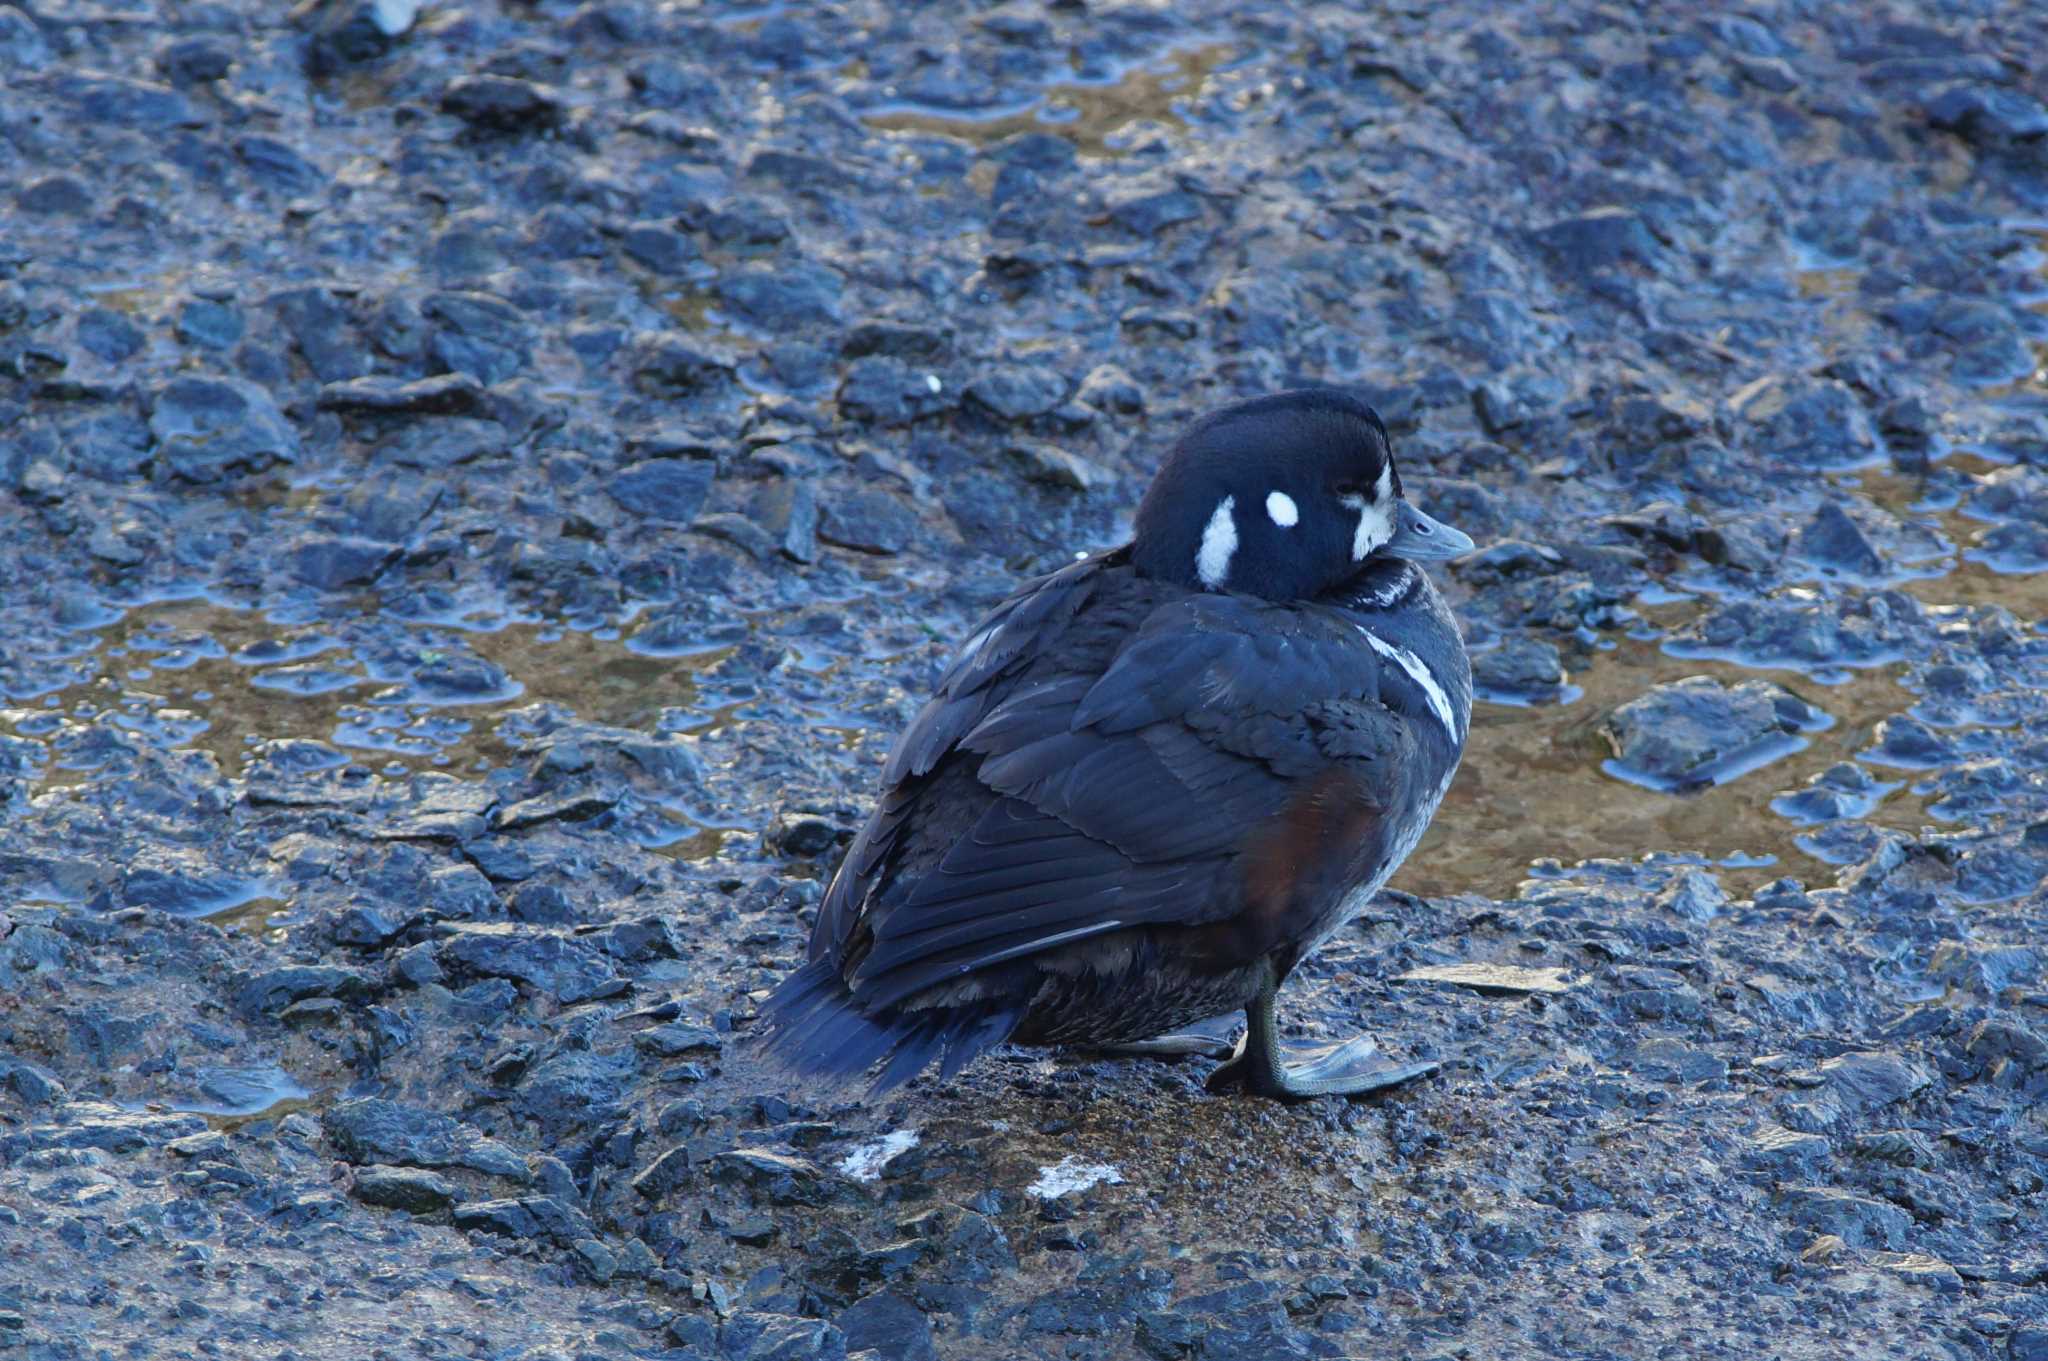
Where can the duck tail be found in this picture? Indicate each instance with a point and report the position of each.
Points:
(812, 1027)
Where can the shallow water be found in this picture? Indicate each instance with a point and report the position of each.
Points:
(1094, 115)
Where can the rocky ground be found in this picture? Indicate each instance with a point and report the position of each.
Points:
(481, 483)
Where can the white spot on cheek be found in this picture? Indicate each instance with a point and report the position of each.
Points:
(1219, 542)
(1383, 489)
(1375, 525)
(1281, 507)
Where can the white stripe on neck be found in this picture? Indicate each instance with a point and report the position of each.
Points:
(1219, 542)
(1439, 702)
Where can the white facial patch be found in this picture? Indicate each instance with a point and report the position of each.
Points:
(1439, 702)
(1375, 523)
(1219, 541)
(1281, 508)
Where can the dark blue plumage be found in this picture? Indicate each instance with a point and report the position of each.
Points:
(1151, 782)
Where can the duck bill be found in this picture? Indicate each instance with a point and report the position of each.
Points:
(1419, 538)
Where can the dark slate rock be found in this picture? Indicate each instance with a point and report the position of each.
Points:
(214, 325)
(324, 333)
(1906, 741)
(108, 336)
(663, 366)
(659, 247)
(1522, 669)
(1832, 539)
(276, 166)
(1602, 239)
(565, 970)
(128, 103)
(1811, 424)
(1017, 392)
(207, 428)
(884, 390)
(869, 520)
(1857, 1220)
(1147, 215)
(22, 46)
(501, 104)
(890, 1324)
(1987, 115)
(478, 334)
(195, 61)
(373, 1130)
(783, 300)
(506, 1218)
(1697, 731)
(403, 1188)
(670, 489)
(779, 1178)
(332, 561)
(275, 989)
(55, 196)
(32, 1083)
(779, 1337)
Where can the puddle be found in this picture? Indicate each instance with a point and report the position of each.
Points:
(1091, 114)
(1532, 784)
(202, 674)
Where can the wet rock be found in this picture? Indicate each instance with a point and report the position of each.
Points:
(666, 489)
(1832, 539)
(888, 1323)
(778, 1178)
(1857, 1220)
(22, 46)
(501, 104)
(1694, 895)
(781, 301)
(563, 969)
(377, 1131)
(884, 390)
(1017, 392)
(275, 989)
(778, 1337)
(1808, 424)
(403, 1188)
(477, 334)
(1522, 669)
(1777, 1149)
(204, 429)
(331, 562)
(1906, 741)
(448, 394)
(1052, 466)
(869, 521)
(1698, 731)
(126, 103)
(1987, 116)
(1605, 238)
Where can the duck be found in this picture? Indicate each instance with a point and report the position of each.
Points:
(1152, 782)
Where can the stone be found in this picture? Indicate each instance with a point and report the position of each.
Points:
(1696, 732)
(667, 489)
(1857, 1220)
(403, 1188)
(501, 104)
(205, 429)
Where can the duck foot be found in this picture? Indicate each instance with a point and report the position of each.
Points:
(1350, 1068)
(1215, 1038)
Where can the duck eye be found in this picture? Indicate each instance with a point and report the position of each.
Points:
(1349, 488)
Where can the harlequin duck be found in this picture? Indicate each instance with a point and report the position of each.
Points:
(1152, 782)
